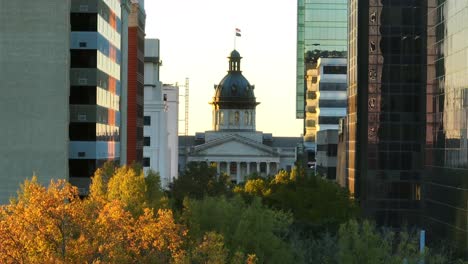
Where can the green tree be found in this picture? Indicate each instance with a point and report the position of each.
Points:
(197, 181)
(246, 228)
(155, 196)
(364, 243)
(316, 204)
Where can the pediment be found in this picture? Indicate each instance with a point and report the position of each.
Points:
(233, 146)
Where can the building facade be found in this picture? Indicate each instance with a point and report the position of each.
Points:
(135, 92)
(386, 108)
(326, 97)
(446, 162)
(34, 109)
(171, 99)
(160, 119)
(234, 146)
(95, 88)
(327, 147)
(321, 32)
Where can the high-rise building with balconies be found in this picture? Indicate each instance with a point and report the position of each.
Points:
(95, 86)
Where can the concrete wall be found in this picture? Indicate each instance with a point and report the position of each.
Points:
(124, 81)
(172, 113)
(154, 107)
(34, 86)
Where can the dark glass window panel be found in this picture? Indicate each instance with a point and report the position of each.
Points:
(82, 131)
(83, 21)
(82, 167)
(146, 162)
(332, 150)
(147, 120)
(329, 119)
(334, 69)
(83, 58)
(147, 141)
(332, 86)
(332, 103)
(84, 95)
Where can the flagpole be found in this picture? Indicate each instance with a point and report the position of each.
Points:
(236, 34)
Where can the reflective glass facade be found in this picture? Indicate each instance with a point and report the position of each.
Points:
(386, 108)
(321, 32)
(95, 88)
(446, 162)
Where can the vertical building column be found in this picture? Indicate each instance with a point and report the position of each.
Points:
(218, 167)
(248, 167)
(238, 176)
(277, 167)
(258, 168)
(228, 168)
(268, 168)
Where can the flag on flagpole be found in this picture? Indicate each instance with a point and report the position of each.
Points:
(238, 32)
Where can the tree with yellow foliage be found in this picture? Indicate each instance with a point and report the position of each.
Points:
(113, 225)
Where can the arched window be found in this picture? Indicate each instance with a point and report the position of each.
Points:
(231, 118)
(236, 118)
(221, 118)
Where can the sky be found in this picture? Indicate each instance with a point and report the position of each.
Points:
(197, 36)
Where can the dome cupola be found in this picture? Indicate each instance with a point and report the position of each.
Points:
(234, 101)
(234, 90)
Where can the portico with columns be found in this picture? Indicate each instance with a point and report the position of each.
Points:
(237, 156)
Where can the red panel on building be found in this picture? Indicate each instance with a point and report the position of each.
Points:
(135, 94)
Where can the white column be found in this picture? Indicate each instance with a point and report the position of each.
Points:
(268, 168)
(228, 168)
(238, 178)
(277, 167)
(248, 167)
(218, 167)
(258, 168)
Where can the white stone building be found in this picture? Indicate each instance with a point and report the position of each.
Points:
(160, 151)
(234, 146)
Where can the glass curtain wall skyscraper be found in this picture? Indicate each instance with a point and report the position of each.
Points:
(386, 108)
(321, 32)
(446, 167)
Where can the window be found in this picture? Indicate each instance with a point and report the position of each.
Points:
(236, 118)
(83, 95)
(146, 141)
(221, 118)
(83, 21)
(246, 118)
(334, 69)
(147, 120)
(83, 58)
(82, 131)
(146, 162)
(231, 118)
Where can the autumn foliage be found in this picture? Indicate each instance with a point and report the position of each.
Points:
(53, 225)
